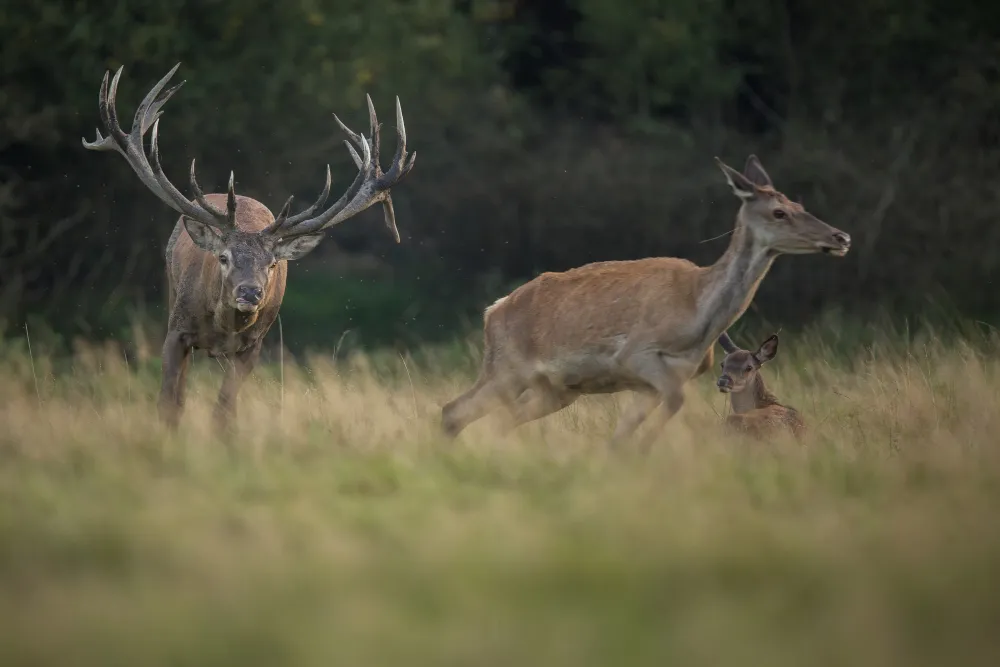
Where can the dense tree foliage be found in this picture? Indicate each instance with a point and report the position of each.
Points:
(550, 134)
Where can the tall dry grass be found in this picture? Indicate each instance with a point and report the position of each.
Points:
(340, 529)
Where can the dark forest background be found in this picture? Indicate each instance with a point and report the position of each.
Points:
(550, 134)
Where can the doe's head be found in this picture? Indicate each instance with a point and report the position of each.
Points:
(782, 225)
(740, 367)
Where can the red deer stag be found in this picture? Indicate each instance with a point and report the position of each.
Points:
(756, 411)
(227, 258)
(645, 325)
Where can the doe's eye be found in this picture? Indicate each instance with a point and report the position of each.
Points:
(223, 260)
(749, 368)
(780, 214)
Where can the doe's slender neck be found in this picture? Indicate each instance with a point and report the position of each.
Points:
(730, 284)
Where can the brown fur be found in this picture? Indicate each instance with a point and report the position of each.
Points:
(201, 316)
(227, 257)
(756, 411)
(644, 325)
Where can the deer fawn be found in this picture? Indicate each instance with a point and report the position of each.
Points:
(756, 411)
(644, 325)
(226, 260)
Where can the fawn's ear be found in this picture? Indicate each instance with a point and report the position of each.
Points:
(742, 186)
(767, 350)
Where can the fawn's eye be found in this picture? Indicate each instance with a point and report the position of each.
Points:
(780, 214)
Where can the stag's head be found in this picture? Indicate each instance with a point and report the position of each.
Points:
(247, 260)
(782, 225)
(740, 367)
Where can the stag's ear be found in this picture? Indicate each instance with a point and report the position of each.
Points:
(741, 185)
(754, 171)
(205, 236)
(767, 350)
(296, 247)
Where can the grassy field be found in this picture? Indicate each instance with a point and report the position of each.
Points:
(340, 530)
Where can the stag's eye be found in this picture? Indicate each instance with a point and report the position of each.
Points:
(780, 214)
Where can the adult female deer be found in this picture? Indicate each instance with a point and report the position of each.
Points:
(644, 325)
(756, 411)
(227, 256)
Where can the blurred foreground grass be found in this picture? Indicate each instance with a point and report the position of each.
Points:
(340, 530)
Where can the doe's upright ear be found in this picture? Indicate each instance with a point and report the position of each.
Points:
(206, 237)
(755, 173)
(296, 247)
(767, 350)
(727, 343)
(741, 185)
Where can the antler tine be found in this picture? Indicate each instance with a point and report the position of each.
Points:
(149, 109)
(130, 145)
(231, 201)
(174, 196)
(370, 186)
(109, 111)
(200, 196)
(373, 129)
(289, 221)
(283, 214)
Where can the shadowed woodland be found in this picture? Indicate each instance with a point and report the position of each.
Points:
(550, 134)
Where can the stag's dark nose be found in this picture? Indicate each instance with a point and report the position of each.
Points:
(250, 294)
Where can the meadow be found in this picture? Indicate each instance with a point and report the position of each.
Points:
(339, 528)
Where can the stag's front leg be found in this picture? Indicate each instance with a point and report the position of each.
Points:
(176, 358)
(237, 370)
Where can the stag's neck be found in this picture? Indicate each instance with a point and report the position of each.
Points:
(729, 285)
(753, 397)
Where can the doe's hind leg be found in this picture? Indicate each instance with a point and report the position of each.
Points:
(489, 392)
(539, 400)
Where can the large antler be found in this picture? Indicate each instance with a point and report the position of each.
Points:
(371, 185)
(130, 147)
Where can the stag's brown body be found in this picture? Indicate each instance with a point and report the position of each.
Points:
(227, 258)
(196, 306)
(644, 325)
(756, 411)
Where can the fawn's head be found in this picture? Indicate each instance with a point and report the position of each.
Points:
(740, 367)
(782, 225)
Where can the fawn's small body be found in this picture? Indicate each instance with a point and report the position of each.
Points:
(756, 411)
